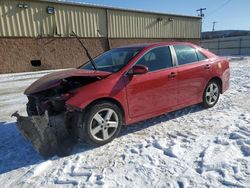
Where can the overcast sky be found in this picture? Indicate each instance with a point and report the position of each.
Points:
(229, 14)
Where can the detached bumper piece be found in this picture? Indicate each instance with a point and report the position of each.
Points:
(47, 134)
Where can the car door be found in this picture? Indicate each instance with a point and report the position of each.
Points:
(193, 73)
(155, 91)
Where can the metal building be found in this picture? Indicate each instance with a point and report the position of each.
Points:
(228, 46)
(41, 30)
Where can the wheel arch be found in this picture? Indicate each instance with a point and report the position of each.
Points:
(111, 100)
(218, 80)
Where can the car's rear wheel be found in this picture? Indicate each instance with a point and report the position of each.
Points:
(102, 123)
(211, 94)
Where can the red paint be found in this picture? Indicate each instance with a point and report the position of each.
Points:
(53, 79)
(155, 93)
(139, 69)
(150, 94)
(156, 86)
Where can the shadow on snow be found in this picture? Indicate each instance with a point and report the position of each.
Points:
(16, 152)
(83, 147)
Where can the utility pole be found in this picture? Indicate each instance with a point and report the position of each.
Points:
(201, 14)
(214, 26)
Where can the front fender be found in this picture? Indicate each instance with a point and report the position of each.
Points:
(106, 88)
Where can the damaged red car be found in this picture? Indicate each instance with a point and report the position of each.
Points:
(120, 87)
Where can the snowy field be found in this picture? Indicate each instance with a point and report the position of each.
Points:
(192, 147)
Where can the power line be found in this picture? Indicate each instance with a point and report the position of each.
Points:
(218, 8)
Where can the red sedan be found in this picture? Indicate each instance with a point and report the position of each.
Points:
(129, 84)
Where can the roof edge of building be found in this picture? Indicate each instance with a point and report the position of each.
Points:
(116, 8)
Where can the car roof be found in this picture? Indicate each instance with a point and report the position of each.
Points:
(150, 45)
(146, 46)
(134, 46)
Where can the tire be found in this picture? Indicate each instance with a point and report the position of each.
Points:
(102, 123)
(211, 94)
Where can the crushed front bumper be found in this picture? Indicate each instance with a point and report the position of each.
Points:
(48, 134)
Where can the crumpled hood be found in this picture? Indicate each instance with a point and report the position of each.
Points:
(54, 79)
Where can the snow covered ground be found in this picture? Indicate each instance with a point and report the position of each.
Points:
(192, 147)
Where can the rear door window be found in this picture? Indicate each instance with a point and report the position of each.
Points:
(185, 54)
(201, 57)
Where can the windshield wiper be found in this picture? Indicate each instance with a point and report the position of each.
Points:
(86, 50)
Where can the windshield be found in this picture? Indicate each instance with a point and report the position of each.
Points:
(113, 60)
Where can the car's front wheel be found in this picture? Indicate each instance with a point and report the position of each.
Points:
(102, 123)
(211, 94)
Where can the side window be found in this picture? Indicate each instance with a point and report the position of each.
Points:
(185, 54)
(201, 57)
(156, 59)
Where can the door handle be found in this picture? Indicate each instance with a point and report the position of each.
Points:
(207, 66)
(172, 75)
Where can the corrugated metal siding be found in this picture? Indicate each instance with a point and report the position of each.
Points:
(90, 22)
(186, 28)
(14, 21)
(123, 24)
(228, 46)
(34, 21)
(87, 22)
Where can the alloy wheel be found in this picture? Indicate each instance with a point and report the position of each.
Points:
(212, 93)
(104, 124)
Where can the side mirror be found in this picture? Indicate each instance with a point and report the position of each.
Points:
(138, 69)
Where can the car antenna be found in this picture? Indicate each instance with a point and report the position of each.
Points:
(86, 50)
